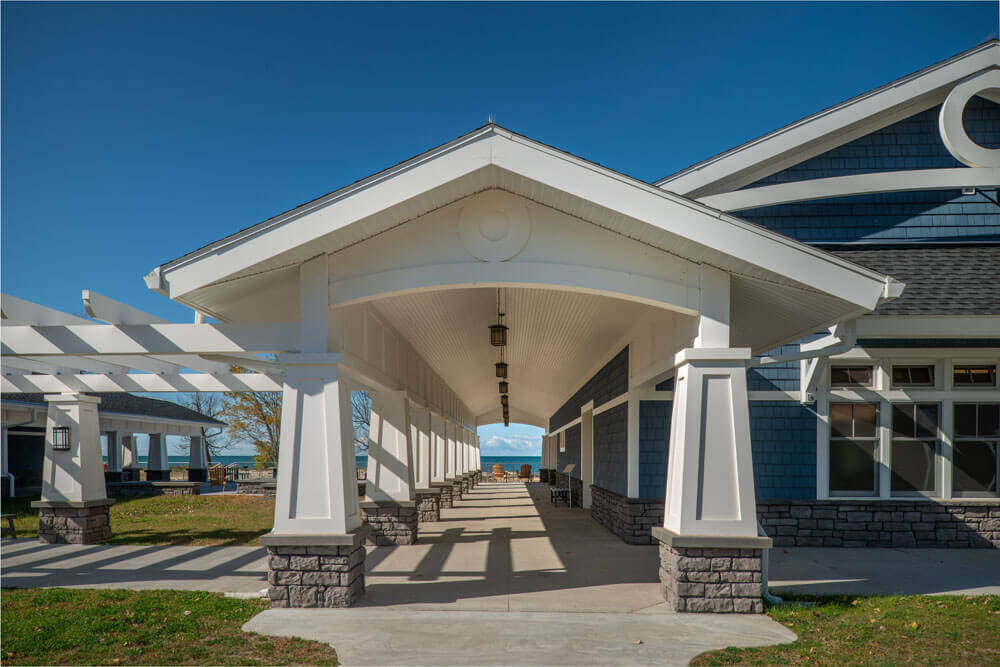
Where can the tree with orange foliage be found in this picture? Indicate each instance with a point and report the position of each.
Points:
(255, 417)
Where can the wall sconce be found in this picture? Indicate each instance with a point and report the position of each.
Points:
(60, 438)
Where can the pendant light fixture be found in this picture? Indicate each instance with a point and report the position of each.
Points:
(503, 386)
(498, 332)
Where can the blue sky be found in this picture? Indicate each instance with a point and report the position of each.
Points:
(133, 133)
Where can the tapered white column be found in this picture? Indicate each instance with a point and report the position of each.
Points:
(449, 457)
(114, 452)
(197, 459)
(420, 435)
(439, 447)
(74, 474)
(157, 464)
(130, 455)
(390, 473)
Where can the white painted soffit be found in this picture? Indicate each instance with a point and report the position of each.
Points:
(493, 157)
(832, 127)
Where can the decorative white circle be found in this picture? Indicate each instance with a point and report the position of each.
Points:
(952, 130)
(494, 226)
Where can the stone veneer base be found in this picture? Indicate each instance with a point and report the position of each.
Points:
(86, 522)
(428, 505)
(456, 490)
(631, 519)
(257, 487)
(330, 575)
(703, 575)
(390, 523)
(157, 475)
(575, 485)
(446, 499)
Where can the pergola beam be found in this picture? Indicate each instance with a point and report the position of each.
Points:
(139, 382)
(110, 311)
(158, 339)
(19, 311)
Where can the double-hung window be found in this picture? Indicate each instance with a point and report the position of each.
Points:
(914, 448)
(854, 449)
(975, 454)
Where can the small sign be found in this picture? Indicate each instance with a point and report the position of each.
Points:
(569, 468)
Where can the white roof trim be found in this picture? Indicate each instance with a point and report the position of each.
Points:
(496, 146)
(863, 114)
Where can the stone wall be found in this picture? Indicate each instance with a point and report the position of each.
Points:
(446, 497)
(62, 523)
(146, 489)
(631, 519)
(322, 576)
(897, 523)
(390, 522)
(257, 487)
(428, 505)
(711, 580)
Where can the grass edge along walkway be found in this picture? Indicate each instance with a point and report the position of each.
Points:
(116, 627)
(845, 629)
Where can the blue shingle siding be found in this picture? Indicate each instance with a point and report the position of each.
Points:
(931, 215)
(912, 143)
(611, 449)
(928, 215)
(572, 453)
(654, 443)
(783, 438)
(607, 383)
(779, 377)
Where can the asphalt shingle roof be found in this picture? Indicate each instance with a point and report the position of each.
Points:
(954, 280)
(128, 404)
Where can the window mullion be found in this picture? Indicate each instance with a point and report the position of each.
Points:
(946, 436)
(884, 447)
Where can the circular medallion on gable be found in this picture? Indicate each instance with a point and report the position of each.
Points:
(494, 226)
(953, 132)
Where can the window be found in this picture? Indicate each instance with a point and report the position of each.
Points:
(913, 376)
(976, 464)
(975, 376)
(851, 376)
(914, 448)
(853, 448)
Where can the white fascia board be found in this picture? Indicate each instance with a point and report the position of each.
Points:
(139, 382)
(928, 326)
(699, 178)
(690, 220)
(313, 220)
(855, 184)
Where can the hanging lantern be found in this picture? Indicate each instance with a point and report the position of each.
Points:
(503, 387)
(504, 401)
(498, 335)
(501, 369)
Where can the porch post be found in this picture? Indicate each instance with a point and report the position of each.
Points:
(451, 470)
(428, 499)
(710, 554)
(316, 549)
(197, 460)
(586, 454)
(130, 458)
(439, 449)
(74, 504)
(389, 508)
(157, 465)
(114, 470)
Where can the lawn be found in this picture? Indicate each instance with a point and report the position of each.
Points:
(195, 520)
(108, 627)
(879, 630)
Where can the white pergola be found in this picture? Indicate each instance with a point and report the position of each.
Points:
(389, 285)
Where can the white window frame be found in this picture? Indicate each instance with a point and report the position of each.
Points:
(957, 438)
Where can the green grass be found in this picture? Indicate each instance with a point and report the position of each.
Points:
(195, 520)
(879, 630)
(59, 626)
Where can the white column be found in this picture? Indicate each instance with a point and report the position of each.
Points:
(479, 454)
(587, 453)
(710, 486)
(390, 473)
(713, 320)
(439, 447)
(420, 435)
(76, 474)
(632, 450)
(317, 491)
(466, 452)
(130, 456)
(114, 452)
(157, 464)
(449, 449)
(198, 457)
(3, 454)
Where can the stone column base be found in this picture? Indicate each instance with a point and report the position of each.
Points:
(130, 474)
(446, 499)
(390, 522)
(711, 574)
(74, 522)
(428, 505)
(456, 490)
(315, 570)
(197, 474)
(157, 475)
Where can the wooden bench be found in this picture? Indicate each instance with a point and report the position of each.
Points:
(10, 524)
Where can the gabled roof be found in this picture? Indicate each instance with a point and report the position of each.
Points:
(248, 266)
(127, 404)
(815, 134)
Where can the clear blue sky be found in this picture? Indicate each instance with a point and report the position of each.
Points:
(133, 133)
